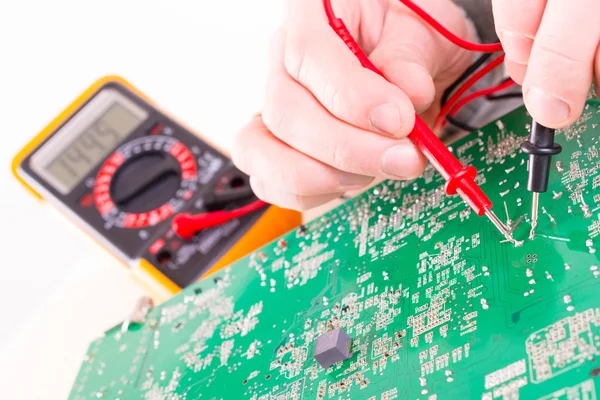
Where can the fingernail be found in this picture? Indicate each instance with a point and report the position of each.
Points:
(353, 181)
(398, 161)
(386, 118)
(517, 47)
(546, 108)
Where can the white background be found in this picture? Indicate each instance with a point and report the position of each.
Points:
(203, 61)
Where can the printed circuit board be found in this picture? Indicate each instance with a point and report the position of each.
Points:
(436, 306)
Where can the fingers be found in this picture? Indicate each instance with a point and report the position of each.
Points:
(292, 115)
(561, 66)
(517, 23)
(516, 71)
(597, 82)
(261, 155)
(278, 196)
(410, 53)
(319, 60)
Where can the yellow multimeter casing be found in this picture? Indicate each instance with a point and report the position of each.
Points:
(120, 168)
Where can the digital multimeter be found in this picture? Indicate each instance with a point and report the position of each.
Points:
(122, 170)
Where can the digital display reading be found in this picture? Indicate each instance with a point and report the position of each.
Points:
(94, 144)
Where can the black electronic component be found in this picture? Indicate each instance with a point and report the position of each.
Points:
(332, 347)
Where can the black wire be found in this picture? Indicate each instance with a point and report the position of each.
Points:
(505, 96)
(460, 125)
(468, 72)
(465, 75)
(492, 97)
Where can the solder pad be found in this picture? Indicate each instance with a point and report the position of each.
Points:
(436, 305)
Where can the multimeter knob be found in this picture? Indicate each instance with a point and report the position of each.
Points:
(145, 182)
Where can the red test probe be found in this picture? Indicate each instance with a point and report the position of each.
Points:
(459, 179)
(187, 225)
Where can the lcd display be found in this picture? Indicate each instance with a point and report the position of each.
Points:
(87, 140)
(92, 145)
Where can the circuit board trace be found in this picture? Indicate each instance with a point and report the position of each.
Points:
(436, 306)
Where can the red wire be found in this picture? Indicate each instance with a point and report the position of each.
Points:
(465, 44)
(329, 10)
(459, 179)
(485, 92)
(187, 225)
(247, 209)
(484, 48)
(439, 123)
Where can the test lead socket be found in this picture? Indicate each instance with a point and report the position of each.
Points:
(540, 147)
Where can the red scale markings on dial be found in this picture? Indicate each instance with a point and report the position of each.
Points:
(105, 205)
(153, 217)
(186, 161)
(102, 197)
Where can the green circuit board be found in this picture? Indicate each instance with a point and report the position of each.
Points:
(437, 306)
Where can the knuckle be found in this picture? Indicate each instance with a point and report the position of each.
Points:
(554, 51)
(274, 114)
(336, 102)
(340, 157)
(295, 57)
(281, 121)
(293, 180)
(279, 110)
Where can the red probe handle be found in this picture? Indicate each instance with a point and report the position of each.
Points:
(187, 225)
(459, 179)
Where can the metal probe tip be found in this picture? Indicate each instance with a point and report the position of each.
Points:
(502, 228)
(534, 214)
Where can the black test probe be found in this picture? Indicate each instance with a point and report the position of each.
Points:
(540, 147)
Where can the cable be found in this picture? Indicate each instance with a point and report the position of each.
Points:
(473, 96)
(485, 48)
(505, 96)
(439, 123)
(465, 75)
(485, 92)
(188, 225)
(460, 125)
(459, 179)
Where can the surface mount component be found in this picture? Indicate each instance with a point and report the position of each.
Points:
(332, 347)
(436, 306)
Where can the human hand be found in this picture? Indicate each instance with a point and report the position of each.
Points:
(552, 49)
(328, 124)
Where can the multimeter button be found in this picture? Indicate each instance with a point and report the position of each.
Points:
(156, 246)
(86, 200)
(156, 129)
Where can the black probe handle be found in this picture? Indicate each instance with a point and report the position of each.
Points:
(541, 148)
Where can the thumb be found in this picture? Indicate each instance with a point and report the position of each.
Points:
(415, 57)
